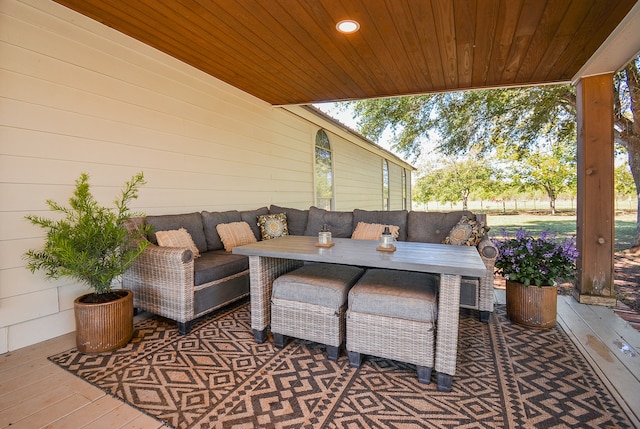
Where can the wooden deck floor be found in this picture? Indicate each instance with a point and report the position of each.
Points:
(34, 393)
(611, 345)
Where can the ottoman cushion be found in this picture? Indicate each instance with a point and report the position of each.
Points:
(326, 285)
(393, 293)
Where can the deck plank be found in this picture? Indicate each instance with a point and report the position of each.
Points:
(30, 398)
(622, 340)
(42, 417)
(10, 360)
(33, 372)
(122, 416)
(85, 416)
(607, 364)
(144, 421)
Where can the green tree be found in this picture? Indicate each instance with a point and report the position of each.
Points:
(455, 181)
(472, 121)
(550, 168)
(514, 119)
(423, 190)
(627, 117)
(624, 185)
(504, 189)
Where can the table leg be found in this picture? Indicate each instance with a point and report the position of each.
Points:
(447, 330)
(263, 271)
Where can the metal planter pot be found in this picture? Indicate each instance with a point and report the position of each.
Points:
(532, 306)
(105, 326)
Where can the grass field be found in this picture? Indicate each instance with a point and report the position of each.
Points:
(563, 225)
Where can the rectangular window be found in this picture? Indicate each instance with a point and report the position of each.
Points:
(385, 185)
(403, 184)
(323, 172)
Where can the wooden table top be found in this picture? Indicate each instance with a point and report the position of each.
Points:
(410, 256)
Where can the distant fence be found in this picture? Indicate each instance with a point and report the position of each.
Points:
(517, 205)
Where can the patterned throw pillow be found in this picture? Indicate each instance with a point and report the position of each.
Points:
(373, 231)
(273, 225)
(177, 238)
(466, 232)
(235, 234)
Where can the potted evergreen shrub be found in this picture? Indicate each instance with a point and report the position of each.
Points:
(531, 267)
(93, 245)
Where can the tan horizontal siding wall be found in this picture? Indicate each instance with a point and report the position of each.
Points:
(358, 176)
(395, 186)
(76, 96)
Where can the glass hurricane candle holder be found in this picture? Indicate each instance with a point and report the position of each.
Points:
(386, 240)
(324, 236)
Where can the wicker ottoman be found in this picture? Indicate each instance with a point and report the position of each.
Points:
(310, 302)
(392, 314)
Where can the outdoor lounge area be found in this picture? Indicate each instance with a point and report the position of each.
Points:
(215, 103)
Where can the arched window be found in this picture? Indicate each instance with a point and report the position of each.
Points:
(324, 172)
(385, 185)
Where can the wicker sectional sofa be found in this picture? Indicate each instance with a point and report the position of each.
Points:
(171, 282)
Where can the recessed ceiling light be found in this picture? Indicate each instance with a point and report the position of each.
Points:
(348, 26)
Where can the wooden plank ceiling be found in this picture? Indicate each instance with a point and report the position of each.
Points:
(289, 52)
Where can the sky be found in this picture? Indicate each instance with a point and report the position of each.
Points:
(343, 116)
(346, 117)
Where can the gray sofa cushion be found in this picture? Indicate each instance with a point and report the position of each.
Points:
(296, 218)
(384, 217)
(211, 219)
(192, 222)
(251, 217)
(216, 265)
(340, 223)
(326, 285)
(393, 293)
(432, 227)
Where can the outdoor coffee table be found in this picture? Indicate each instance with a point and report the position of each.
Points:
(269, 259)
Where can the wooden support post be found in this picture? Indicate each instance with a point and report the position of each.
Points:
(595, 217)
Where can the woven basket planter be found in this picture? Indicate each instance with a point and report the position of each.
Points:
(105, 326)
(532, 306)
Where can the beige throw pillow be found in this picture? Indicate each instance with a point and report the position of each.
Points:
(373, 231)
(177, 238)
(235, 234)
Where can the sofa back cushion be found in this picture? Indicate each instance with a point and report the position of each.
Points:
(340, 223)
(296, 218)
(384, 217)
(251, 217)
(211, 220)
(192, 222)
(432, 227)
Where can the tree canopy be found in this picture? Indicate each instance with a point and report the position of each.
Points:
(453, 181)
(509, 123)
(482, 121)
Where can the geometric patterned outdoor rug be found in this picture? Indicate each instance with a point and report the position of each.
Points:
(218, 377)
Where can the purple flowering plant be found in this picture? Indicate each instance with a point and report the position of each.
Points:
(536, 261)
